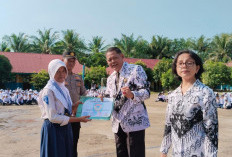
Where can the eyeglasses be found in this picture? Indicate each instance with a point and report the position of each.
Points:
(187, 64)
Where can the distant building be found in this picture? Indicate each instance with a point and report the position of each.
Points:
(25, 64)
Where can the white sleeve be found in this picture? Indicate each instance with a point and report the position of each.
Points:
(48, 99)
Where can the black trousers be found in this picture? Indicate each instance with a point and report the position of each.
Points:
(76, 132)
(136, 143)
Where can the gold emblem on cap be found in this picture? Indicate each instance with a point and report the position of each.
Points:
(71, 54)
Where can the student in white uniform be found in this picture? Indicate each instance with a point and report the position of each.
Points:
(18, 98)
(6, 98)
(227, 102)
(1, 95)
(57, 108)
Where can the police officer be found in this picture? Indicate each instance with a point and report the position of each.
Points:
(76, 88)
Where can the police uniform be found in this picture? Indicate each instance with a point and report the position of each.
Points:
(75, 85)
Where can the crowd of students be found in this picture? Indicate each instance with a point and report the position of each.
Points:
(161, 97)
(29, 96)
(94, 92)
(224, 100)
(18, 97)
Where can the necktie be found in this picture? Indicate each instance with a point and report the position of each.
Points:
(117, 81)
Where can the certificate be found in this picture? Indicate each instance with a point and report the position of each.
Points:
(95, 108)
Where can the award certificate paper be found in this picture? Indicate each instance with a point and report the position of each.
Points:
(95, 108)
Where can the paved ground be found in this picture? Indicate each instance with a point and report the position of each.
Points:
(20, 132)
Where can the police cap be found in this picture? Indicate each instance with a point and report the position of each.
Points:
(69, 54)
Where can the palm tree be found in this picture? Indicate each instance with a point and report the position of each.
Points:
(97, 45)
(221, 48)
(127, 44)
(142, 49)
(4, 47)
(160, 47)
(178, 45)
(17, 43)
(201, 46)
(45, 43)
(72, 42)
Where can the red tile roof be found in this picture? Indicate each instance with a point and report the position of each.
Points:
(149, 62)
(33, 62)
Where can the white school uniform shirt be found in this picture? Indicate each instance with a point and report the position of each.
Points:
(51, 102)
(1, 95)
(221, 100)
(53, 109)
(227, 102)
(24, 97)
(133, 115)
(17, 97)
(6, 98)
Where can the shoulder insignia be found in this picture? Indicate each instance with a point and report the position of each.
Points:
(45, 99)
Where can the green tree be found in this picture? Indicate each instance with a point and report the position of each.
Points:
(93, 60)
(4, 47)
(146, 69)
(142, 49)
(201, 46)
(178, 45)
(160, 47)
(17, 43)
(162, 66)
(127, 44)
(216, 74)
(169, 81)
(221, 48)
(71, 42)
(97, 45)
(5, 69)
(45, 43)
(40, 79)
(95, 73)
(97, 59)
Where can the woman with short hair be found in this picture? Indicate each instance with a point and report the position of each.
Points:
(191, 126)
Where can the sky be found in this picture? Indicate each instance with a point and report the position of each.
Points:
(111, 18)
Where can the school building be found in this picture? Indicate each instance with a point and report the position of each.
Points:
(25, 64)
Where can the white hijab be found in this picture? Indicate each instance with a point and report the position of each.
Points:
(53, 67)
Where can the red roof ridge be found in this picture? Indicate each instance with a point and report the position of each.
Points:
(33, 62)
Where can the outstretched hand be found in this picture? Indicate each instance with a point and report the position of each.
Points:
(101, 97)
(85, 119)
